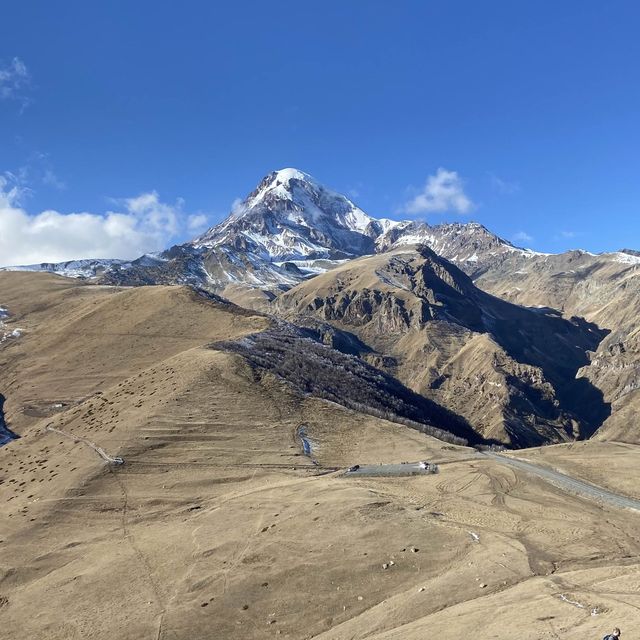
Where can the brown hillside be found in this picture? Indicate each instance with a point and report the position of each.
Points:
(216, 526)
(508, 370)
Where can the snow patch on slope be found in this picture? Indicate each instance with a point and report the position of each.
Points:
(6, 333)
(625, 258)
(72, 268)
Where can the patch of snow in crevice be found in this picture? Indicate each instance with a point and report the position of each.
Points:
(572, 602)
(5, 332)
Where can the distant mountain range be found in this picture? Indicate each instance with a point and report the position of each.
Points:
(286, 230)
(418, 305)
(291, 228)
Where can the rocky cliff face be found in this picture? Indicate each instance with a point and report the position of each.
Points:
(508, 370)
(604, 289)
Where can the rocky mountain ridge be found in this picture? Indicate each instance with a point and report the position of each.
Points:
(605, 290)
(291, 230)
(508, 370)
(288, 229)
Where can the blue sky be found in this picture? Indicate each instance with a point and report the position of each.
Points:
(164, 113)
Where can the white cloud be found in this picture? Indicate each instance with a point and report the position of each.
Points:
(564, 235)
(522, 236)
(50, 179)
(355, 190)
(237, 206)
(143, 224)
(197, 222)
(504, 187)
(39, 170)
(442, 192)
(13, 187)
(14, 80)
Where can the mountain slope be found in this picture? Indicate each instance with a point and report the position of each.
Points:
(510, 371)
(77, 338)
(314, 368)
(604, 289)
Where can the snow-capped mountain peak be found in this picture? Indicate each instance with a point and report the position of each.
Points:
(276, 185)
(291, 227)
(291, 216)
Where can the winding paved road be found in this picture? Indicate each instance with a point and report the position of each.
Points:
(569, 484)
(560, 480)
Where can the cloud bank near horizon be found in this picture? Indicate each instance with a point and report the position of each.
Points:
(143, 224)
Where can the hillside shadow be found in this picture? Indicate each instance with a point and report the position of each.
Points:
(537, 336)
(312, 368)
(560, 347)
(6, 435)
